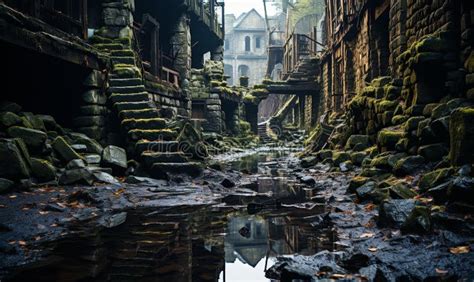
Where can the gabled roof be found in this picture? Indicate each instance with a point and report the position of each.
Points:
(243, 16)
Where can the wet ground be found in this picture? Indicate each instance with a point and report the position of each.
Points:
(259, 217)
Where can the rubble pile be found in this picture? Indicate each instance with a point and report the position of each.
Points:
(35, 149)
(412, 141)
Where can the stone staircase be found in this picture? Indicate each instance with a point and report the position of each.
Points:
(149, 139)
(263, 132)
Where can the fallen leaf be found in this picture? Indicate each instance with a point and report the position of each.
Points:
(119, 192)
(54, 225)
(367, 235)
(459, 250)
(22, 243)
(372, 249)
(43, 212)
(2, 206)
(337, 276)
(441, 271)
(12, 242)
(12, 196)
(369, 207)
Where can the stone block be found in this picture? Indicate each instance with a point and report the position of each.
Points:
(461, 131)
(94, 97)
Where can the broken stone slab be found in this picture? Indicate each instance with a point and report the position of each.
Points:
(114, 220)
(104, 177)
(12, 161)
(92, 145)
(43, 170)
(409, 165)
(393, 213)
(64, 150)
(5, 185)
(77, 176)
(114, 157)
(34, 139)
(145, 181)
(76, 163)
(92, 159)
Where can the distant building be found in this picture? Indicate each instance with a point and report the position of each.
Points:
(245, 47)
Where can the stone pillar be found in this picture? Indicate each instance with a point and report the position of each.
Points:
(93, 111)
(118, 20)
(181, 46)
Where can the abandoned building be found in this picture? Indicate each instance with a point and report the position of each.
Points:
(246, 43)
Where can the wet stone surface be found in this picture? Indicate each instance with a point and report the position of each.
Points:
(260, 217)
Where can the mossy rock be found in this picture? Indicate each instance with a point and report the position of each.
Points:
(434, 178)
(412, 123)
(461, 131)
(430, 44)
(356, 182)
(8, 119)
(381, 162)
(381, 81)
(126, 71)
(340, 157)
(353, 140)
(64, 150)
(419, 221)
(433, 152)
(34, 139)
(388, 138)
(428, 109)
(43, 170)
(440, 111)
(409, 165)
(372, 151)
(372, 172)
(358, 157)
(324, 154)
(14, 163)
(386, 105)
(399, 119)
(369, 91)
(401, 191)
(392, 92)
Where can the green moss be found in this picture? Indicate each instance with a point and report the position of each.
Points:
(380, 162)
(412, 123)
(388, 138)
(385, 105)
(399, 119)
(126, 71)
(215, 83)
(434, 178)
(248, 98)
(123, 53)
(99, 40)
(340, 157)
(369, 91)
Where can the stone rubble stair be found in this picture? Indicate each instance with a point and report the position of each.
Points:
(263, 133)
(149, 138)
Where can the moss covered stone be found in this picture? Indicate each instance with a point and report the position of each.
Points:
(388, 138)
(64, 150)
(358, 157)
(461, 131)
(433, 152)
(43, 170)
(409, 165)
(8, 119)
(324, 154)
(356, 182)
(381, 162)
(399, 119)
(428, 109)
(34, 139)
(12, 161)
(353, 140)
(340, 157)
(434, 178)
(412, 123)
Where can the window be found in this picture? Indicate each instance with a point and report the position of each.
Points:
(258, 43)
(247, 43)
(243, 70)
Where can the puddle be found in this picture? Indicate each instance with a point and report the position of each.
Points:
(191, 243)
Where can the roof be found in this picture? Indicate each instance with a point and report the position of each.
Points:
(243, 16)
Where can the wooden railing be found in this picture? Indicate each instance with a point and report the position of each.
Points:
(206, 13)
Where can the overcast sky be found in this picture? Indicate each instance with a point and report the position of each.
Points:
(238, 7)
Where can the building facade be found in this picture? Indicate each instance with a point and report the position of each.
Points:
(245, 47)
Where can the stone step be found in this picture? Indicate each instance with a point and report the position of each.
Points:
(120, 82)
(134, 97)
(149, 123)
(151, 158)
(127, 89)
(123, 60)
(161, 170)
(153, 134)
(123, 53)
(123, 106)
(109, 46)
(156, 146)
(139, 114)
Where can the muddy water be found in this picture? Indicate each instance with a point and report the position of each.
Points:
(229, 241)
